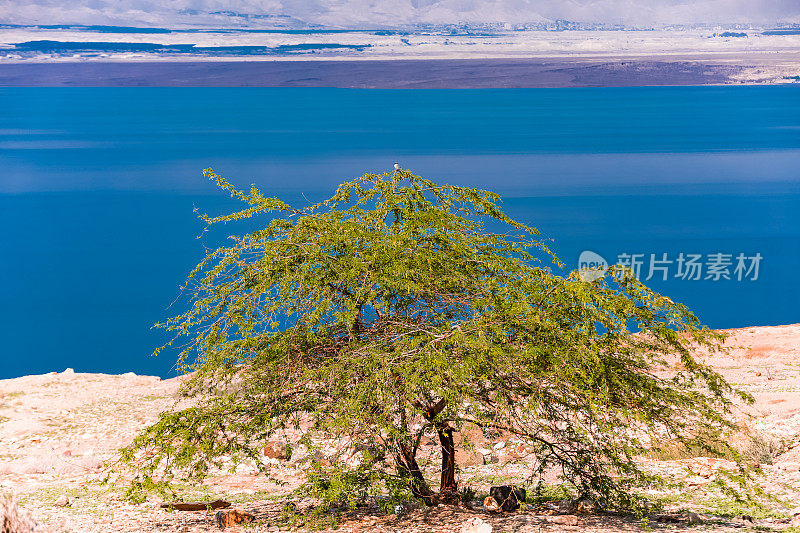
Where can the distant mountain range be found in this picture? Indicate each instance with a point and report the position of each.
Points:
(391, 13)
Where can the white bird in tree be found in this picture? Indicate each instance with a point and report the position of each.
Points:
(396, 166)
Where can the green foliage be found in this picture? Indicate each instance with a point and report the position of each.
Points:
(727, 506)
(390, 312)
(548, 493)
(467, 494)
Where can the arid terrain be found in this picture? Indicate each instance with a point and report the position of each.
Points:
(59, 431)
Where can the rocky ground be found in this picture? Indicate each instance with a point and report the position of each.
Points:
(58, 431)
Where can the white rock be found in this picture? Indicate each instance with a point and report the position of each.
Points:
(68, 372)
(476, 525)
(500, 445)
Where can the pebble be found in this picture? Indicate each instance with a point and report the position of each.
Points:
(490, 504)
(63, 501)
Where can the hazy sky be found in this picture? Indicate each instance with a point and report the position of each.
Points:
(399, 12)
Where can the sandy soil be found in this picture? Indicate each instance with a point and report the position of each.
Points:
(57, 430)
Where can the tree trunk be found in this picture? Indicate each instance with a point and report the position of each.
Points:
(448, 492)
(406, 462)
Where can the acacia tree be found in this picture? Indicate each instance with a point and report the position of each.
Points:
(389, 312)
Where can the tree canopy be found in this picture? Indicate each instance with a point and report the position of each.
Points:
(397, 310)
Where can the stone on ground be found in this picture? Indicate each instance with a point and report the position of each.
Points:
(476, 525)
(563, 519)
(231, 518)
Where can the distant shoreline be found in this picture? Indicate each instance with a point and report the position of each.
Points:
(781, 339)
(413, 73)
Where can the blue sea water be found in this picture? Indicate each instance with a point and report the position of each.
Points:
(98, 186)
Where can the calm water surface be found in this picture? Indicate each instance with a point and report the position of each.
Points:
(98, 186)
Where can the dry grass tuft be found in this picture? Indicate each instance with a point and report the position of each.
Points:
(752, 448)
